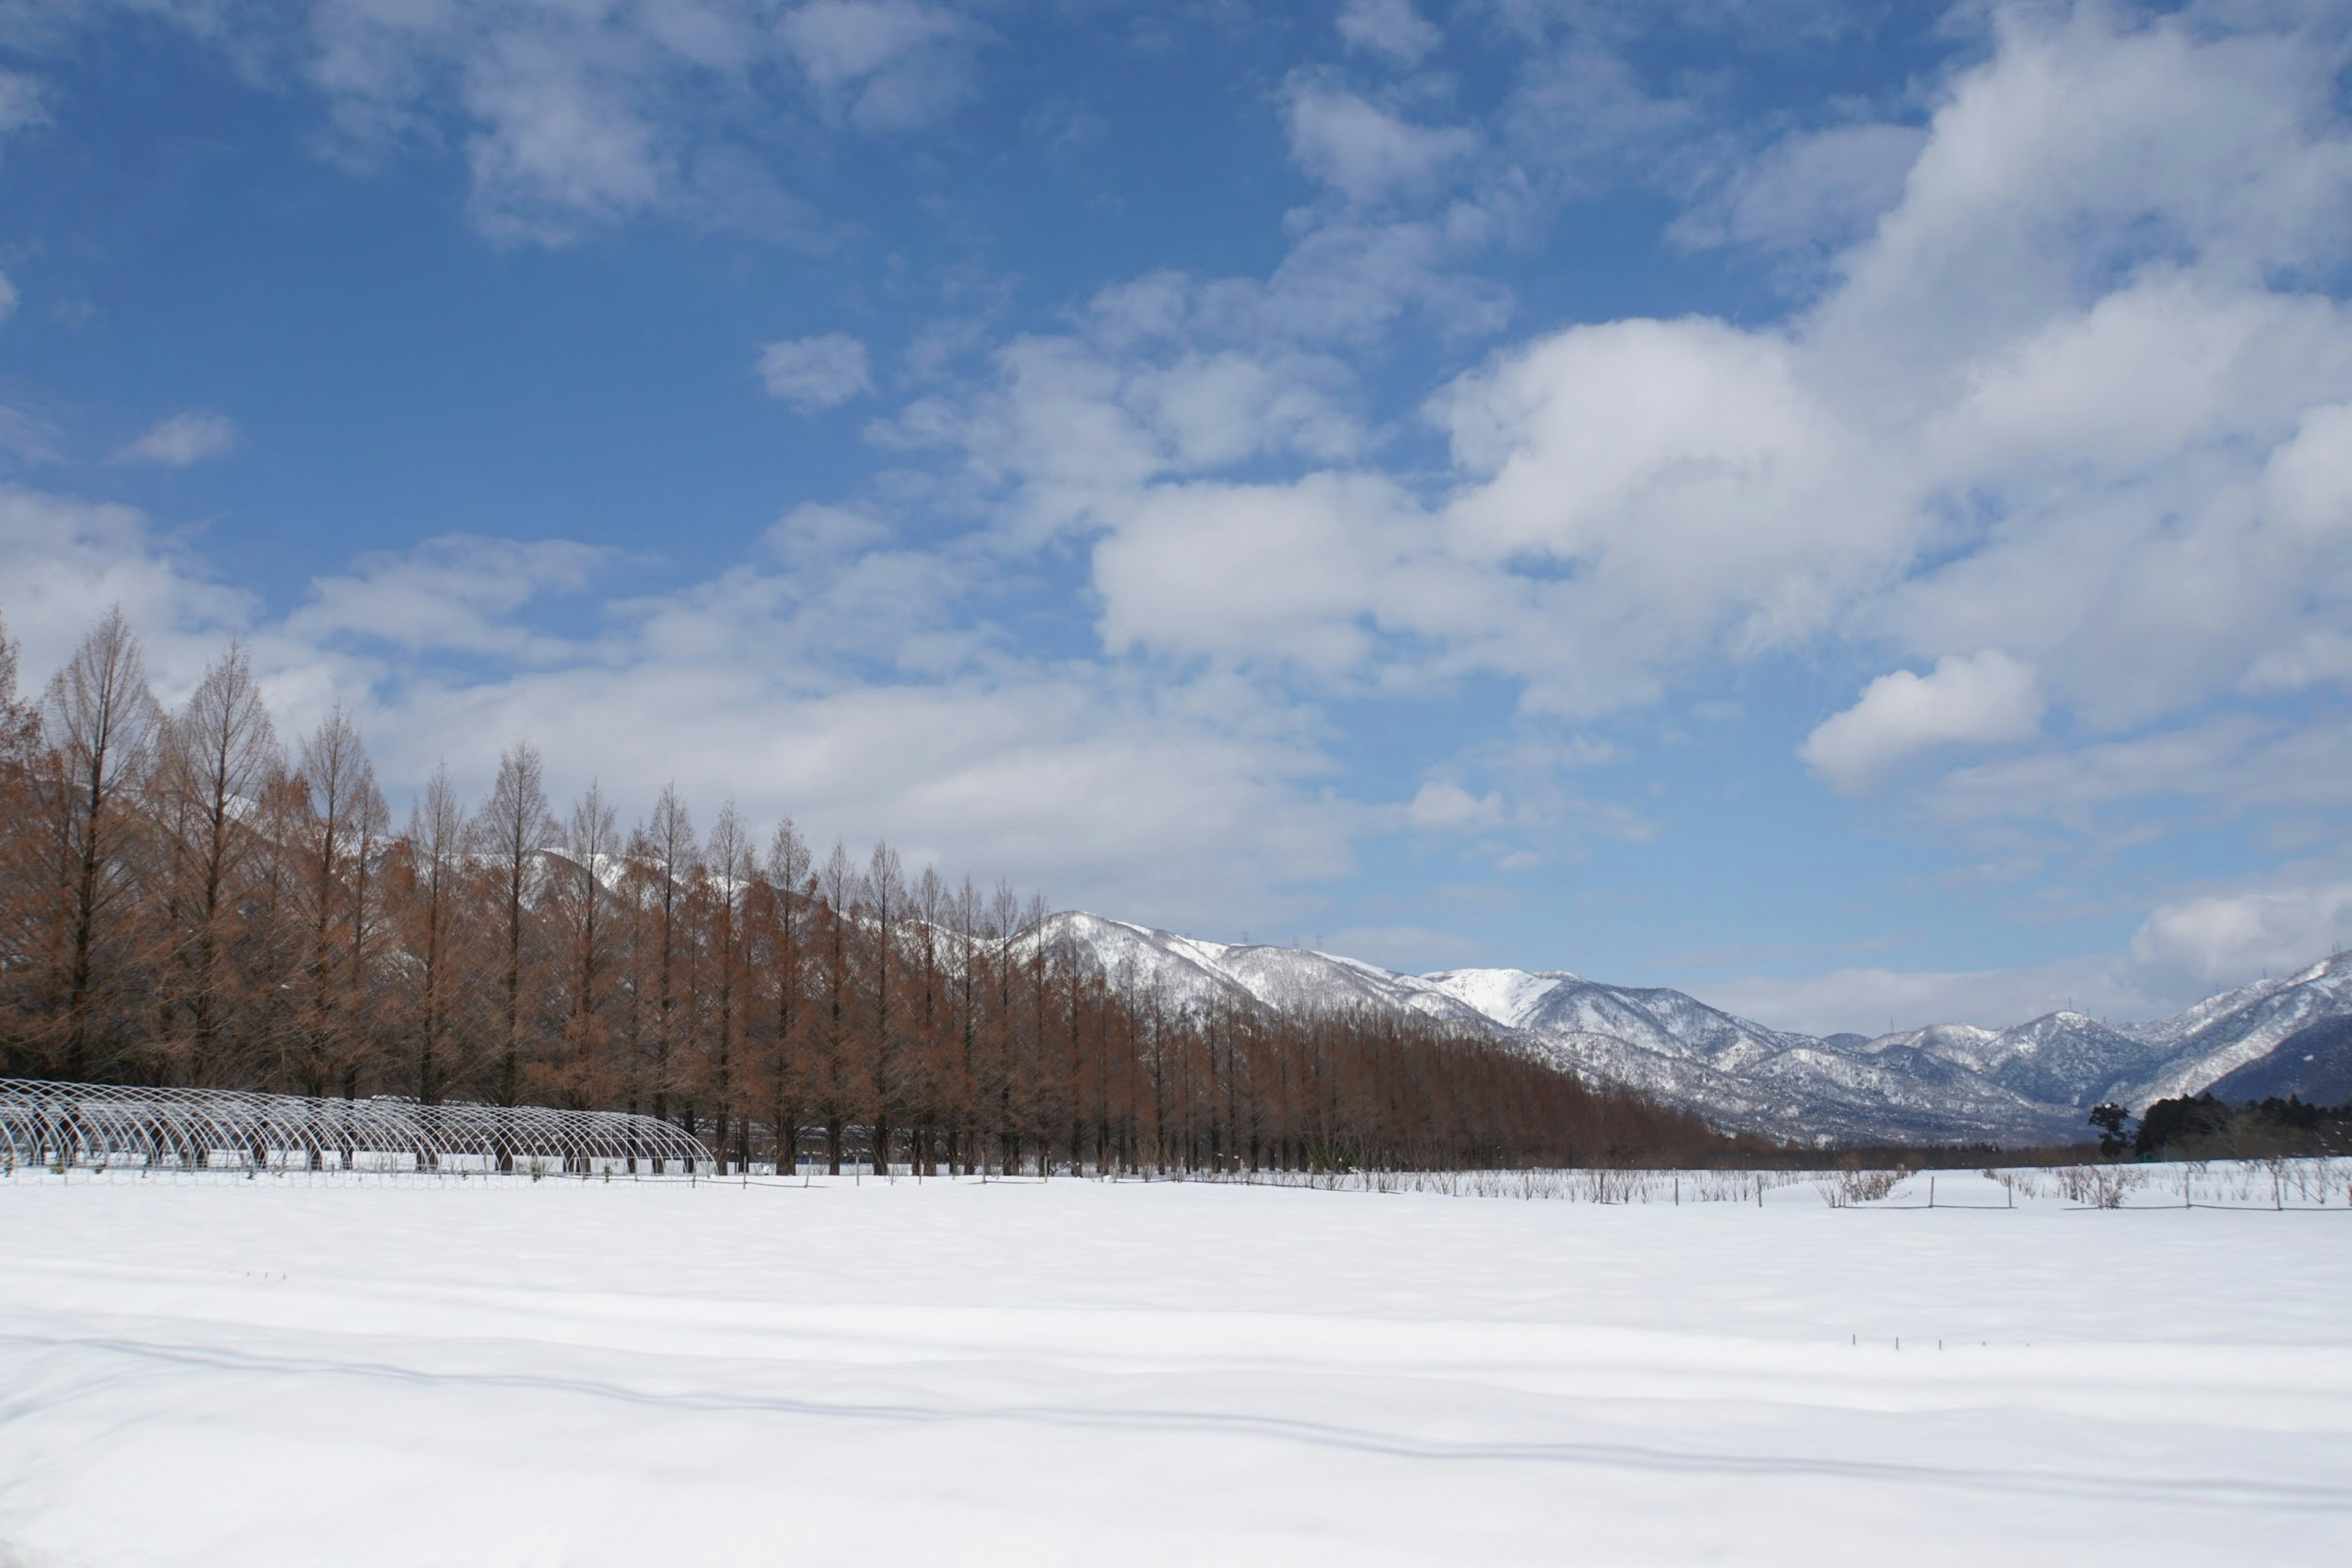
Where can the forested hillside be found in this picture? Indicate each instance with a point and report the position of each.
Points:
(186, 900)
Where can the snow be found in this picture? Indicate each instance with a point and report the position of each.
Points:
(363, 1371)
(1949, 1083)
(1506, 996)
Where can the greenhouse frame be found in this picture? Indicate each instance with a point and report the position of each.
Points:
(63, 1125)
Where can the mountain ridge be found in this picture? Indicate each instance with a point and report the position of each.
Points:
(2030, 1082)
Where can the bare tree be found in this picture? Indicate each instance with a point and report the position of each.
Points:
(969, 931)
(836, 886)
(100, 722)
(215, 762)
(336, 783)
(513, 828)
(916, 1018)
(438, 831)
(1003, 926)
(25, 863)
(885, 906)
(789, 878)
(371, 824)
(19, 720)
(731, 868)
(666, 846)
(930, 912)
(592, 839)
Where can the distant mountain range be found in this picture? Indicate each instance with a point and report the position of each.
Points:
(2030, 1083)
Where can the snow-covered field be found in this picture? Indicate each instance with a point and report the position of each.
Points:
(282, 1371)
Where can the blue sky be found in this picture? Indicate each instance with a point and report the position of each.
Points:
(1843, 509)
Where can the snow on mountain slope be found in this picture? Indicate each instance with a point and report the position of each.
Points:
(1738, 1073)
(2165, 1035)
(2060, 1058)
(2246, 1033)
(1299, 977)
(2314, 1065)
(1946, 1083)
(1189, 971)
(1506, 996)
(2066, 1059)
(1184, 971)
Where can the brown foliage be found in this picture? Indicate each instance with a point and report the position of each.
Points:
(178, 905)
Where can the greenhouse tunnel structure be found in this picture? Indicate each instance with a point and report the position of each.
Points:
(108, 1125)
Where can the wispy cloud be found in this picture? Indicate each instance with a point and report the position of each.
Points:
(180, 440)
(819, 373)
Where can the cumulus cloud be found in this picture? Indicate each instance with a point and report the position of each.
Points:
(890, 64)
(1290, 572)
(818, 373)
(1408, 949)
(1441, 806)
(1814, 191)
(180, 440)
(1363, 151)
(2230, 763)
(2228, 938)
(27, 436)
(452, 595)
(2072, 384)
(575, 116)
(22, 102)
(2062, 430)
(64, 560)
(2062, 399)
(1987, 699)
(559, 140)
(1870, 1001)
(1390, 28)
(829, 675)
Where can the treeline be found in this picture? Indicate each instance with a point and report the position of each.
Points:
(186, 900)
(2201, 1127)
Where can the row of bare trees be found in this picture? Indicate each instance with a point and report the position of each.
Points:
(189, 901)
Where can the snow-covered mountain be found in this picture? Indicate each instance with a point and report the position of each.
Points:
(1951, 1082)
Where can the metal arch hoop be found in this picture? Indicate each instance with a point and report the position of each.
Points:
(81, 1125)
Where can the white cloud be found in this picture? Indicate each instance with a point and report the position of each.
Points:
(63, 560)
(827, 676)
(2073, 387)
(2230, 763)
(1581, 122)
(21, 102)
(1388, 26)
(1408, 949)
(1076, 427)
(1362, 149)
(559, 139)
(2000, 427)
(2229, 937)
(840, 41)
(1282, 571)
(1989, 698)
(180, 440)
(894, 64)
(818, 373)
(27, 436)
(451, 594)
(7, 298)
(2070, 391)
(2307, 483)
(1441, 806)
(569, 116)
(1868, 1000)
(1814, 191)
